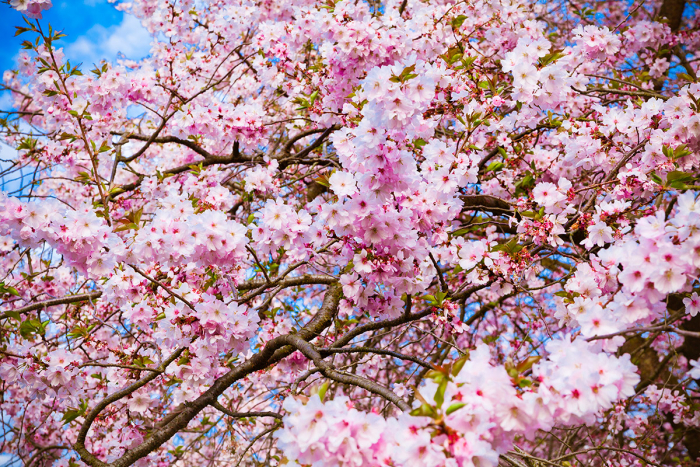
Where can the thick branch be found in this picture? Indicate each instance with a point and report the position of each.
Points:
(306, 279)
(54, 302)
(398, 355)
(405, 318)
(230, 413)
(274, 351)
(304, 152)
(327, 370)
(79, 445)
(486, 203)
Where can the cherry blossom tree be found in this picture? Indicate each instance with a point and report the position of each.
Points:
(356, 233)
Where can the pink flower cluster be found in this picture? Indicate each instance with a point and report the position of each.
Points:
(80, 236)
(481, 412)
(181, 233)
(629, 280)
(32, 8)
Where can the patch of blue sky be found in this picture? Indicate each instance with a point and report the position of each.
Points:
(6, 459)
(73, 18)
(95, 31)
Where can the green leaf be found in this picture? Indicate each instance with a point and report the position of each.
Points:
(312, 98)
(490, 338)
(440, 296)
(13, 314)
(527, 363)
(452, 55)
(495, 166)
(128, 226)
(78, 331)
(551, 57)
(424, 410)
(678, 185)
(439, 397)
(454, 407)
(71, 415)
(322, 391)
(511, 247)
(459, 364)
(457, 22)
(524, 382)
(677, 153)
(324, 179)
(678, 176)
(32, 326)
(405, 75)
(21, 30)
(303, 103)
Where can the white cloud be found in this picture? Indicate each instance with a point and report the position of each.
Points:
(5, 100)
(129, 38)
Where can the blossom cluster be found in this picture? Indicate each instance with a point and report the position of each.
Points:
(474, 418)
(79, 235)
(356, 196)
(629, 280)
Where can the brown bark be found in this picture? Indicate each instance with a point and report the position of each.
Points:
(672, 10)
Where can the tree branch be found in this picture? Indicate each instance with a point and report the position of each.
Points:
(398, 355)
(53, 302)
(274, 351)
(230, 413)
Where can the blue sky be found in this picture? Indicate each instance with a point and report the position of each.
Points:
(95, 30)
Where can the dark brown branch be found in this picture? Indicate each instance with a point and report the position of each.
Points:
(390, 323)
(672, 10)
(235, 157)
(486, 203)
(117, 365)
(443, 284)
(623, 92)
(274, 351)
(255, 440)
(327, 370)
(54, 302)
(261, 285)
(79, 446)
(232, 414)
(304, 152)
(290, 144)
(391, 353)
(152, 138)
